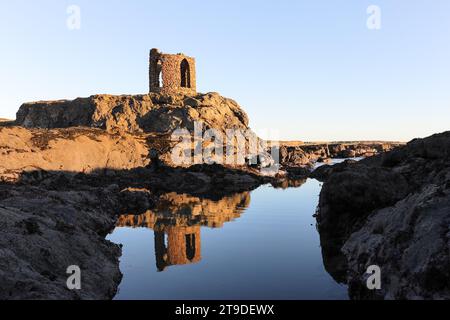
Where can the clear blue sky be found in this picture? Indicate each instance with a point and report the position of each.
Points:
(310, 70)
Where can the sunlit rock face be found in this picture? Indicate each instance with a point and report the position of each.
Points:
(155, 121)
(69, 150)
(150, 113)
(298, 154)
(177, 220)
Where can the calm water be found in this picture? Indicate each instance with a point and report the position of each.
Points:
(253, 245)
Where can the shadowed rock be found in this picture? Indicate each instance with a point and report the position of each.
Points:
(392, 210)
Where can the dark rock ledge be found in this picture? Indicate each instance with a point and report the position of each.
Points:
(392, 210)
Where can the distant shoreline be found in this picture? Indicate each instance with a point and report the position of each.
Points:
(317, 143)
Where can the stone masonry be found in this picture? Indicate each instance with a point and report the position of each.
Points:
(172, 73)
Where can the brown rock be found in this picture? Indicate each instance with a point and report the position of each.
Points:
(70, 150)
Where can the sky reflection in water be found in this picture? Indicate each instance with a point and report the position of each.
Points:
(258, 245)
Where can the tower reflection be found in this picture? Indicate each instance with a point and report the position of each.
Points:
(177, 221)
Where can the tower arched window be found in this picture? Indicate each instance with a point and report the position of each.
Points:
(159, 77)
(190, 246)
(185, 74)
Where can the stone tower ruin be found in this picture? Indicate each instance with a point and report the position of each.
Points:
(172, 73)
(182, 247)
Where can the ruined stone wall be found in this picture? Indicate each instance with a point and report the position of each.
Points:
(170, 65)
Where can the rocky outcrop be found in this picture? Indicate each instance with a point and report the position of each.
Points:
(360, 149)
(155, 118)
(151, 113)
(392, 210)
(410, 241)
(69, 150)
(43, 232)
(349, 195)
(303, 155)
(298, 157)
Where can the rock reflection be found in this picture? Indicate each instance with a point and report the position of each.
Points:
(177, 219)
(334, 260)
(289, 183)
